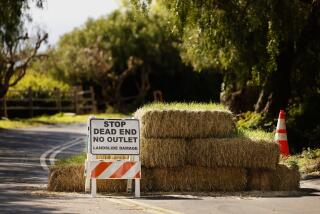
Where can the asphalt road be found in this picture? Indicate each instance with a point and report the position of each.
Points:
(25, 153)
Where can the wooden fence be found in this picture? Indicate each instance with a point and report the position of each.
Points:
(75, 100)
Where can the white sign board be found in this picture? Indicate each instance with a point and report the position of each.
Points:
(114, 136)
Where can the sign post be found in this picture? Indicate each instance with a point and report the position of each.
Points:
(113, 137)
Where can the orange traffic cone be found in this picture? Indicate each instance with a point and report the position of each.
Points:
(281, 134)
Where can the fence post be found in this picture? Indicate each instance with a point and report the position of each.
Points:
(93, 101)
(30, 96)
(5, 110)
(58, 99)
(75, 100)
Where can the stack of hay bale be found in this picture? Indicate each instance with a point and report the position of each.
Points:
(193, 147)
(196, 148)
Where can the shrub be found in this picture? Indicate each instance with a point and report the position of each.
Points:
(43, 85)
(253, 120)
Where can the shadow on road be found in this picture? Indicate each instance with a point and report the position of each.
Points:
(20, 151)
(18, 200)
(20, 168)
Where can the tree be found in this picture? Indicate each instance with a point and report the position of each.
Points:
(268, 44)
(110, 80)
(17, 49)
(118, 53)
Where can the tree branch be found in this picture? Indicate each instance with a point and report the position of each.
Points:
(20, 70)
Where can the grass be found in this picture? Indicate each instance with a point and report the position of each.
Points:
(17, 123)
(185, 106)
(73, 160)
(60, 118)
(255, 134)
(308, 161)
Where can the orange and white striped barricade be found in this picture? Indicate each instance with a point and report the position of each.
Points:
(118, 169)
(113, 137)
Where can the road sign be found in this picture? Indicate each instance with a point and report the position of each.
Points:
(114, 136)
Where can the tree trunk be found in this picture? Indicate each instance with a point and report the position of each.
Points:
(144, 84)
(277, 90)
(3, 91)
(260, 104)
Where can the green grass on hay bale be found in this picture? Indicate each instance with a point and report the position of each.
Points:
(283, 178)
(233, 152)
(170, 152)
(178, 120)
(185, 106)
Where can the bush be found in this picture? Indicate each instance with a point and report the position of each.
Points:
(43, 85)
(253, 120)
(303, 124)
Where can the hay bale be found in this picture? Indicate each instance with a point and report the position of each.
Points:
(189, 178)
(194, 179)
(163, 152)
(233, 152)
(283, 178)
(185, 123)
(71, 179)
(66, 178)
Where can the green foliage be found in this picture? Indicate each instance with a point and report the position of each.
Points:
(43, 85)
(13, 16)
(251, 42)
(253, 120)
(292, 163)
(126, 56)
(249, 120)
(256, 43)
(311, 153)
(303, 123)
(121, 36)
(238, 36)
(17, 50)
(308, 161)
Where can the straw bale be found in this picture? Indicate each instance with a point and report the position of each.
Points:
(233, 152)
(163, 152)
(71, 179)
(283, 178)
(185, 123)
(193, 179)
(66, 178)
